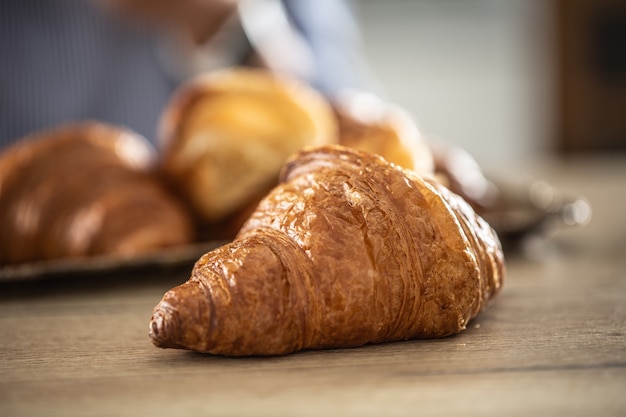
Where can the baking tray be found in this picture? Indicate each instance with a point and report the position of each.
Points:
(69, 267)
(534, 208)
(522, 209)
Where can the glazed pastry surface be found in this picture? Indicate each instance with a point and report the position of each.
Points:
(347, 250)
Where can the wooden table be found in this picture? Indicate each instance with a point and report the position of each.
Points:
(553, 344)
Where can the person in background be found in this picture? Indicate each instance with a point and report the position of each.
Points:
(118, 61)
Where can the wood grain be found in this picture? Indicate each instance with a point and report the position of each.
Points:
(554, 343)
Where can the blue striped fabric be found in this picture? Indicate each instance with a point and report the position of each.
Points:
(65, 60)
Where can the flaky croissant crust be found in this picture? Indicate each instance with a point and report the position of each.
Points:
(347, 250)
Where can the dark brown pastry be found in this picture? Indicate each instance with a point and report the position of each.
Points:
(82, 190)
(347, 250)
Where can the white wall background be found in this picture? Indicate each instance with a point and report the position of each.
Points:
(476, 73)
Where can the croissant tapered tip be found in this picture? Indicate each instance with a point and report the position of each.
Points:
(156, 327)
(160, 327)
(177, 320)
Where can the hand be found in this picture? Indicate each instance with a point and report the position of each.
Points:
(201, 19)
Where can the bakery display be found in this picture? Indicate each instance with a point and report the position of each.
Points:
(326, 225)
(85, 189)
(225, 135)
(347, 250)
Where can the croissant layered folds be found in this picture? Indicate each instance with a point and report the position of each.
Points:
(347, 250)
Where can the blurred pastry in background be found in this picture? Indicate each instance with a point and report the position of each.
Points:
(368, 123)
(226, 134)
(85, 189)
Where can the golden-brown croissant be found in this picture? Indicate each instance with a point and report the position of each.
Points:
(226, 134)
(85, 189)
(347, 250)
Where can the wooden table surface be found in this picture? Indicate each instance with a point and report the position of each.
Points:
(554, 343)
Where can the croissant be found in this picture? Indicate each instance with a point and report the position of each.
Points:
(85, 189)
(347, 250)
(226, 134)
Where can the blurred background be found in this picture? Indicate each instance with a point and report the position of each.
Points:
(507, 80)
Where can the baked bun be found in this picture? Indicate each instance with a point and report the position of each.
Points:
(226, 134)
(369, 123)
(81, 190)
